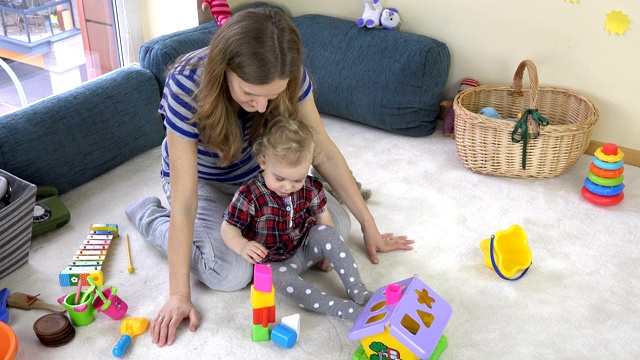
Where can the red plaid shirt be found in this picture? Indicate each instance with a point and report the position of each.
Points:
(262, 216)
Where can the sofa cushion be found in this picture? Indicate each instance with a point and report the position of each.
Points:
(158, 53)
(68, 139)
(387, 79)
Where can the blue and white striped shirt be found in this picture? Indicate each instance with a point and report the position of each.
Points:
(178, 107)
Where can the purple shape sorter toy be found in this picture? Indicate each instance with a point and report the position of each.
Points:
(411, 325)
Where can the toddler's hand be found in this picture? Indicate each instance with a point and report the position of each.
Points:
(253, 252)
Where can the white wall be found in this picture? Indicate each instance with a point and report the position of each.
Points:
(159, 17)
(488, 39)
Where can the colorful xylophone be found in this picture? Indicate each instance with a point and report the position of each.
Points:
(89, 257)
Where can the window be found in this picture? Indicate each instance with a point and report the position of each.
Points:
(50, 46)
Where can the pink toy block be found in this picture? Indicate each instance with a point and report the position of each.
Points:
(392, 293)
(262, 278)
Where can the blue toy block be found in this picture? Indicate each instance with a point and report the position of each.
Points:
(284, 336)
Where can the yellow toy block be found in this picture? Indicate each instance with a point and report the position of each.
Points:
(261, 299)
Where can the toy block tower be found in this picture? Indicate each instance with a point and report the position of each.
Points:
(263, 302)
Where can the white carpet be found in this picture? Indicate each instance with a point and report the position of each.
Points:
(579, 299)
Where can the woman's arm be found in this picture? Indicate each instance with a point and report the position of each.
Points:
(184, 202)
(333, 167)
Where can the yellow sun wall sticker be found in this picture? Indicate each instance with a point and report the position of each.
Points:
(617, 22)
(571, 1)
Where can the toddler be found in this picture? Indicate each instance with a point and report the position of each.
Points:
(280, 219)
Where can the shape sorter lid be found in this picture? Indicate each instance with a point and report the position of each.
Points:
(417, 320)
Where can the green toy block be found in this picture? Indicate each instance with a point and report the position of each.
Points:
(260, 333)
(440, 348)
(359, 354)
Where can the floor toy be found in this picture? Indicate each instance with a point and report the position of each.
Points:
(610, 154)
(507, 252)
(5, 191)
(130, 269)
(604, 172)
(54, 330)
(601, 189)
(601, 200)
(90, 256)
(107, 302)
(4, 314)
(8, 342)
(27, 302)
(129, 328)
(292, 322)
(604, 182)
(607, 166)
(101, 228)
(263, 302)
(82, 312)
(410, 328)
(360, 354)
(284, 336)
(49, 212)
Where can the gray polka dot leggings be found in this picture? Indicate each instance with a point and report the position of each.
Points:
(322, 241)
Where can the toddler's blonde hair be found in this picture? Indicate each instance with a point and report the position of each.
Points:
(289, 141)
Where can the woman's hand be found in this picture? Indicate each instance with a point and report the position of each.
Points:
(376, 242)
(165, 324)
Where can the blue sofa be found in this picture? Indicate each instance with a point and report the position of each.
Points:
(387, 79)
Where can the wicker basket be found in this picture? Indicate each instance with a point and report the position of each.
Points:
(485, 145)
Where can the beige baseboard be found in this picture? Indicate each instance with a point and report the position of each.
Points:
(631, 156)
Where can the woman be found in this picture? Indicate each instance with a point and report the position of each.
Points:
(215, 103)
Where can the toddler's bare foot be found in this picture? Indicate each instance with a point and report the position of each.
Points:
(324, 265)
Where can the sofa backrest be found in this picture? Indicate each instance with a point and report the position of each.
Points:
(387, 79)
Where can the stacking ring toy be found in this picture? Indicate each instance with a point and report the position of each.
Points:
(609, 158)
(609, 174)
(603, 190)
(604, 181)
(608, 165)
(601, 200)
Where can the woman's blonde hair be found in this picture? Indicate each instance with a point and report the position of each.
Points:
(260, 46)
(289, 141)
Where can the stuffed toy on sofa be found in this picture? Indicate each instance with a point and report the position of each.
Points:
(219, 9)
(375, 16)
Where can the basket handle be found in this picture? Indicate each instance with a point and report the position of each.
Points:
(529, 124)
(516, 86)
